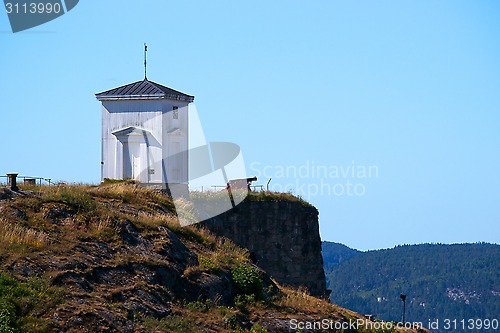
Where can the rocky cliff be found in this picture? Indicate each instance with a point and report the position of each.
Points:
(282, 234)
(113, 258)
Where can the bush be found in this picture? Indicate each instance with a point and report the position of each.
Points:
(246, 279)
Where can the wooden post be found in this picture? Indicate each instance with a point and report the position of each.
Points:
(12, 181)
(403, 298)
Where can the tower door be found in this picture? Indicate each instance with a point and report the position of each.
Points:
(176, 165)
(131, 160)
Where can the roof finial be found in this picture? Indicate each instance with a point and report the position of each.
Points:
(145, 66)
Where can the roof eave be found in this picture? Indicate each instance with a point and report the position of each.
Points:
(186, 98)
(128, 97)
(189, 99)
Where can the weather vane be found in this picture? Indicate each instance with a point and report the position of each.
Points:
(145, 66)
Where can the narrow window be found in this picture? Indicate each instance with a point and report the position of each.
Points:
(175, 112)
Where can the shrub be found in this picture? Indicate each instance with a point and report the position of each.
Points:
(246, 279)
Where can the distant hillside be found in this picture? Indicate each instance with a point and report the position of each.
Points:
(460, 281)
(335, 253)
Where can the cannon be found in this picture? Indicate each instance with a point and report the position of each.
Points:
(241, 183)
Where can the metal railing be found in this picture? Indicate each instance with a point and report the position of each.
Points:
(27, 180)
(252, 187)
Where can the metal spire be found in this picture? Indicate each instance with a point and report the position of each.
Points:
(145, 63)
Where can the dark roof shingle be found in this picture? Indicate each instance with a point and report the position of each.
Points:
(144, 90)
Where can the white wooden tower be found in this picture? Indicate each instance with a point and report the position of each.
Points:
(145, 133)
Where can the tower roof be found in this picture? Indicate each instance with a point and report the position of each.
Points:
(143, 90)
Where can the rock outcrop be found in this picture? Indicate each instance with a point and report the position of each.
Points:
(282, 237)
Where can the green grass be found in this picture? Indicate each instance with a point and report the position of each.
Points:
(74, 196)
(108, 181)
(22, 302)
(276, 196)
(211, 197)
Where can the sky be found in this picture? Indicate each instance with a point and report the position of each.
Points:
(385, 115)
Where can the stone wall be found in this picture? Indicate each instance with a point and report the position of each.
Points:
(282, 237)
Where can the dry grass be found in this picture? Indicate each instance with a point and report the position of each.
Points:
(83, 196)
(17, 234)
(215, 254)
(155, 219)
(221, 251)
(186, 212)
(73, 212)
(228, 254)
(124, 192)
(299, 300)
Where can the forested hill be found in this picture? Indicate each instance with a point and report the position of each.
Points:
(460, 281)
(335, 253)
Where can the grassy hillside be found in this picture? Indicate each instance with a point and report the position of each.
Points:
(113, 258)
(453, 282)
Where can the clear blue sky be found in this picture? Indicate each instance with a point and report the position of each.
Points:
(409, 87)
